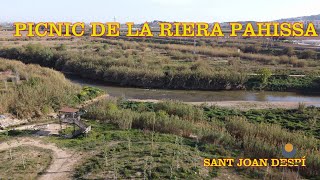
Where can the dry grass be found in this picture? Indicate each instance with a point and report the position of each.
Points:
(23, 162)
(41, 91)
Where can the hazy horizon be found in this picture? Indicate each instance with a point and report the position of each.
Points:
(148, 10)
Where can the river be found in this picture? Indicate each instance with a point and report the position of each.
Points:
(199, 96)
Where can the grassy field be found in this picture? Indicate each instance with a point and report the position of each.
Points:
(154, 65)
(303, 119)
(170, 139)
(219, 131)
(23, 162)
(135, 154)
(124, 154)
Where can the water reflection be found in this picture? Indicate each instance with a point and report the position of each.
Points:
(199, 96)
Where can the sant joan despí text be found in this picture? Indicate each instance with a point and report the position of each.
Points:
(247, 162)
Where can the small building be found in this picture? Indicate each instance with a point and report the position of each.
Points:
(73, 116)
(67, 112)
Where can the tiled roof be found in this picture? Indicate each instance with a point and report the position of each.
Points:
(68, 110)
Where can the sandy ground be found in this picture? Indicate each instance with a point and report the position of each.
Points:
(10, 120)
(48, 129)
(244, 105)
(45, 129)
(63, 161)
(86, 103)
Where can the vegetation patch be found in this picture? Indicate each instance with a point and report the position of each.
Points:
(149, 160)
(89, 93)
(40, 91)
(231, 131)
(23, 162)
(172, 66)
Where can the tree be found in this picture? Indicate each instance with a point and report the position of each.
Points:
(264, 75)
(309, 54)
(201, 43)
(252, 49)
(289, 51)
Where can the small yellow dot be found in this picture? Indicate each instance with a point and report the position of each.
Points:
(288, 147)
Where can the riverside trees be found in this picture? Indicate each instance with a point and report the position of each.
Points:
(145, 65)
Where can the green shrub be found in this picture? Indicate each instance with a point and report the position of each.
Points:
(289, 51)
(252, 49)
(309, 54)
(264, 75)
(88, 93)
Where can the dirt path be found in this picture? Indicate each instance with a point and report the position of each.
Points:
(87, 103)
(63, 161)
(228, 174)
(243, 105)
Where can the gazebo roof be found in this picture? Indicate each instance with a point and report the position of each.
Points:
(68, 110)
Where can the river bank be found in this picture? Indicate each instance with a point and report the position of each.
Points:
(121, 63)
(254, 99)
(244, 105)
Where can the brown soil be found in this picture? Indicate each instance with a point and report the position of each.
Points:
(63, 161)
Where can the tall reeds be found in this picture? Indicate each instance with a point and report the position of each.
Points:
(40, 91)
(255, 140)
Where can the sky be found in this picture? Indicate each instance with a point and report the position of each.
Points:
(139, 11)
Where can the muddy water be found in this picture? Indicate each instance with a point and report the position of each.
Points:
(200, 96)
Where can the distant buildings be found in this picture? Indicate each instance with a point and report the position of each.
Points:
(316, 23)
(6, 28)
